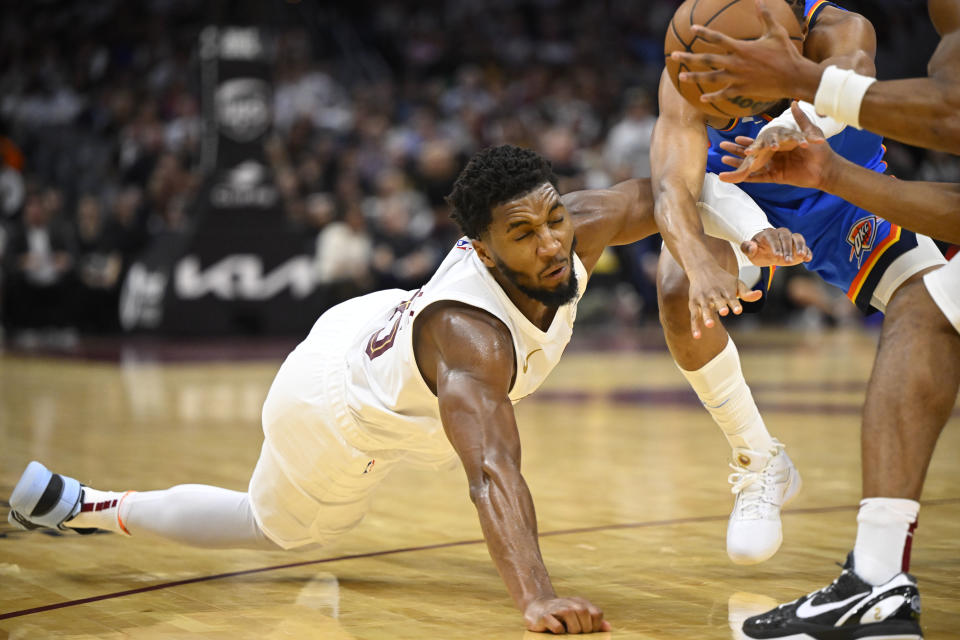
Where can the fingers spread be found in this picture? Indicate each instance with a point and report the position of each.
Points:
(717, 75)
(800, 247)
(695, 327)
(734, 148)
(747, 294)
(715, 37)
(742, 171)
(729, 91)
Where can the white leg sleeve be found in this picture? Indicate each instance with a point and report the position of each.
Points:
(196, 515)
(722, 389)
(944, 287)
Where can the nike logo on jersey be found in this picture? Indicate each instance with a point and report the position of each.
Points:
(526, 363)
(809, 610)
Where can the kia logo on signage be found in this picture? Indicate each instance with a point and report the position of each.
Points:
(244, 277)
(243, 108)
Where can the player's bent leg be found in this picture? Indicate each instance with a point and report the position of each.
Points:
(195, 515)
(764, 477)
(673, 297)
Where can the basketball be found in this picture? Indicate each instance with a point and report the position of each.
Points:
(737, 19)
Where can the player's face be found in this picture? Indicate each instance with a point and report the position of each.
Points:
(530, 242)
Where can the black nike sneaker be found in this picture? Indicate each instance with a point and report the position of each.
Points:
(847, 609)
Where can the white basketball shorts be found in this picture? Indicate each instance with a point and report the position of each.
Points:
(310, 484)
(944, 287)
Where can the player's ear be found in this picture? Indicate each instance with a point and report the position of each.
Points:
(483, 253)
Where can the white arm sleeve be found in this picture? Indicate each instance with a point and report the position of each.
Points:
(728, 213)
(828, 125)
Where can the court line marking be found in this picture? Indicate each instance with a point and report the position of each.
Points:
(429, 547)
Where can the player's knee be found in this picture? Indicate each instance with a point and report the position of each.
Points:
(911, 309)
(673, 295)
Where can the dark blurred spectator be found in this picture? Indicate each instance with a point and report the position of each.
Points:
(400, 259)
(343, 255)
(939, 167)
(39, 260)
(128, 224)
(627, 148)
(98, 265)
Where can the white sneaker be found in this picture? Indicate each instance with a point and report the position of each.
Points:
(763, 483)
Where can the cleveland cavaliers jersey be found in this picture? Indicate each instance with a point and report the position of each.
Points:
(384, 390)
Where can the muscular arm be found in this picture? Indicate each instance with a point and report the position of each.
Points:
(844, 39)
(920, 111)
(603, 217)
(930, 208)
(467, 356)
(678, 163)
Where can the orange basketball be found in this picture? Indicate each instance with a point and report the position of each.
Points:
(735, 18)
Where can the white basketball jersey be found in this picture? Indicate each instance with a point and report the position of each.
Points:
(384, 390)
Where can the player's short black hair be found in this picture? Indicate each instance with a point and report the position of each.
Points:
(494, 176)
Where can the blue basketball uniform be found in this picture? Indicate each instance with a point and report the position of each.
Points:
(851, 246)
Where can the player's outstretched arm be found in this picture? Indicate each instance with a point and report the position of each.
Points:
(604, 217)
(624, 213)
(930, 208)
(678, 163)
(467, 356)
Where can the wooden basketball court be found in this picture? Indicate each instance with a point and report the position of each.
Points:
(627, 471)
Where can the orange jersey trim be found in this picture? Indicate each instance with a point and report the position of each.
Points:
(892, 238)
(731, 127)
(813, 10)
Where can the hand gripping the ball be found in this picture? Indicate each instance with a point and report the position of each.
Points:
(769, 67)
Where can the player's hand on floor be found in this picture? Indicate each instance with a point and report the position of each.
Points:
(565, 615)
(807, 163)
(777, 247)
(715, 292)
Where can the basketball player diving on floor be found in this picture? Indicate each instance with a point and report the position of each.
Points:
(407, 374)
(877, 263)
(896, 447)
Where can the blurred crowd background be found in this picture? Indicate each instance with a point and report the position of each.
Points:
(376, 107)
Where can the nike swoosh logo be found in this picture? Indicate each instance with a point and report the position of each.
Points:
(526, 363)
(807, 610)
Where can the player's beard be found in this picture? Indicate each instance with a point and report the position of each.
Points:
(551, 297)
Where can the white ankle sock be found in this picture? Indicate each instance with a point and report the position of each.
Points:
(98, 510)
(724, 392)
(884, 528)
